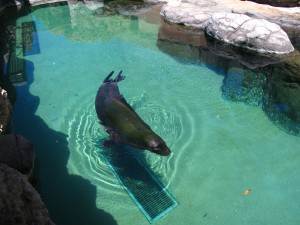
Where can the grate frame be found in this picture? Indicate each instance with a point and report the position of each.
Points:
(147, 192)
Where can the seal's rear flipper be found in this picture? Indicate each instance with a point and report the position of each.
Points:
(107, 79)
(108, 143)
(119, 77)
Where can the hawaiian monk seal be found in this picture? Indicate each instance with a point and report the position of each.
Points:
(122, 123)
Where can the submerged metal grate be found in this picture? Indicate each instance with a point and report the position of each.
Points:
(30, 40)
(16, 69)
(142, 186)
(30, 45)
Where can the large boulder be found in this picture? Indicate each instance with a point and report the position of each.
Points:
(196, 13)
(94, 4)
(255, 34)
(20, 204)
(17, 152)
(188, 14)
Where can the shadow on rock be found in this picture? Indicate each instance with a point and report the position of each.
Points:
(70, 199)
(249, 59)
(189, 46)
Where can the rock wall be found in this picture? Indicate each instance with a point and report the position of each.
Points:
(255, 34)
(202, 15)
(17, 152)
(282, 95)
(5, 111)
(20, 204)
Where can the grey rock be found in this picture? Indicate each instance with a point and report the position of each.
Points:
(286, 18)
(192, 15)
(197, 14)
(20, 204)
(182, 12)
(255, 34)
(41, 2)
(93, 4)
(184, 43)
(250, 59)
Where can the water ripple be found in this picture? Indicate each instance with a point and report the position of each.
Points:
(174, 125)
(84, 132)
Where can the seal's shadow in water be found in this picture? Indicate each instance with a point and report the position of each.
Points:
(70, 199)
(124, 159)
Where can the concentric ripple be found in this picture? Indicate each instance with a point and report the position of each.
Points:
(84, 132)
(175, 126)
(85, 136)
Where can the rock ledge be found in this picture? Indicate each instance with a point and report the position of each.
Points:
(253, 30)
(255, 34)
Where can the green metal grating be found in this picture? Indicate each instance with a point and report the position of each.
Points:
(16, 69)
(30, 39)
(29, 46)
(142, 186)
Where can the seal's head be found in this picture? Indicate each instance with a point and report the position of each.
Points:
(159, 147)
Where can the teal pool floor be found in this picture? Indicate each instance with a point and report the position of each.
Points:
(219, 148)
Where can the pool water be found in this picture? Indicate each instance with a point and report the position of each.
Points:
(219, 148)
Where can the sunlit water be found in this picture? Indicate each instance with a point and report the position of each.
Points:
(219, 148)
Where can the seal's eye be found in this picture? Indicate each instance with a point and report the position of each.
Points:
(160, 148)
(157, 148)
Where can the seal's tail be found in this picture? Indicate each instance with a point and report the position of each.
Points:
(118, 78)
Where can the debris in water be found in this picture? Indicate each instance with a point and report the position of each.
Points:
(246, 192)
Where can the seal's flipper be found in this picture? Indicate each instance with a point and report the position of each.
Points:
(107, 79)
(119, 77)
(113, 139)
(108, 143)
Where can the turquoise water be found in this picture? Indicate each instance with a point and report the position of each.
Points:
(219, 148)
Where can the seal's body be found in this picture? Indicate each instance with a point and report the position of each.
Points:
(122, 123)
